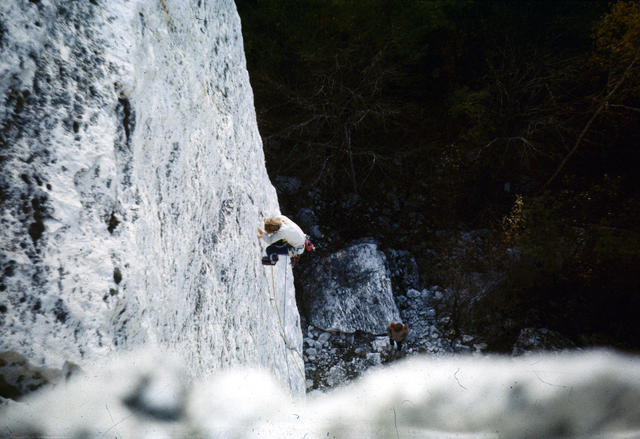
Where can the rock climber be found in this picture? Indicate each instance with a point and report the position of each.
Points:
(398, 333)
(283, 237)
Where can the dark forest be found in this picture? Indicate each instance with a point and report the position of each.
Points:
(405, 119)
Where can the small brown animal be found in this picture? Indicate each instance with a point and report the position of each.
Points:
(398, 333)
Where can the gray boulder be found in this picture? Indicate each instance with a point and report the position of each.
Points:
(350, 290)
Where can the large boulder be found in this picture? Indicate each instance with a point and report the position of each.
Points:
(350, 290)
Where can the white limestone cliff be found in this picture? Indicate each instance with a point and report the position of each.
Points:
(132, 183)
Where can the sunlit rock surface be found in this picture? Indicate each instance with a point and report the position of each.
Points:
(132, 181)
(350, 291)
(580, 395)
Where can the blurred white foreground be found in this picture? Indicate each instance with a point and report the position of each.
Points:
(594, 394)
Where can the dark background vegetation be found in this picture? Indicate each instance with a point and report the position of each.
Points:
(409, 117)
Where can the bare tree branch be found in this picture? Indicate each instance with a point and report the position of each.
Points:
(626, 107)
(603, 105)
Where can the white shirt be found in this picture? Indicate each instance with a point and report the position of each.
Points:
(289, 231)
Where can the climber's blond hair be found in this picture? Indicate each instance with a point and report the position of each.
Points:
(272, 224)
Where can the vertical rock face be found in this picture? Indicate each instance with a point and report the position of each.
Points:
(132, 181)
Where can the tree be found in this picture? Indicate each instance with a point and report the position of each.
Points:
(617, 50)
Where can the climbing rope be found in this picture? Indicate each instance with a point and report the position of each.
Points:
(284, 333)
(275, 303)
(284, 296)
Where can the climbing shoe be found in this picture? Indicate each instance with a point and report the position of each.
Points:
(267, 261)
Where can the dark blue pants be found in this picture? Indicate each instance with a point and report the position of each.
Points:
(277, 248)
